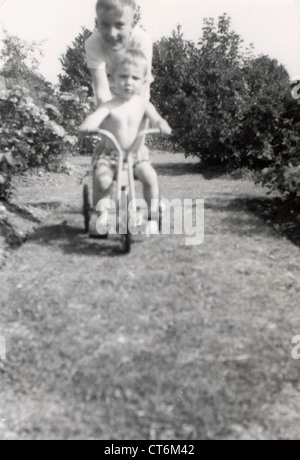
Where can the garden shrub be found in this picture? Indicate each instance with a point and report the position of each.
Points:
(75, 73)
(74, 107)
(228, 107)
(6, 172)
(28, 133)
(222, 103)
(284, 173)
(262, 135)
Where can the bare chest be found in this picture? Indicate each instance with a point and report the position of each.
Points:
(128, 115)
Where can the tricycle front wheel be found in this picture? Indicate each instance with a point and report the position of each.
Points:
(127, 242)
(124, 222)
(86, 208)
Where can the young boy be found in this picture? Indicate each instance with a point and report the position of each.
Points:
(122, 116)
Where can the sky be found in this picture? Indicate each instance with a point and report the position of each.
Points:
(273, 26)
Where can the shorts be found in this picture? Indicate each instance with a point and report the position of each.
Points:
(107, 155)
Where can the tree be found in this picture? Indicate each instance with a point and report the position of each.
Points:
(268, 88)
(220, 100)
(19, 58)
(75, 71)
(19, 62)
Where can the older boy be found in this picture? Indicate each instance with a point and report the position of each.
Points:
(122, 116)
(115, 33)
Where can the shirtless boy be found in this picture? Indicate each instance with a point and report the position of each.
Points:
(123, 116)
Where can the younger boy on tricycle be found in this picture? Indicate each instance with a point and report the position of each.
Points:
(123, 116)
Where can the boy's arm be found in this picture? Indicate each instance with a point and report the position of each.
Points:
(156, 120)
(101, 85)
(93, 121)
(97, 67)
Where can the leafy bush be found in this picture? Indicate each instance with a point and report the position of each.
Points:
(74, 107)
(284, 173)
(28, 133)
(228, 107)
(6, 171)
(286, 179)
(19, 61)
(75, 71)
(19, 58)
(222, 103)
(262, 133)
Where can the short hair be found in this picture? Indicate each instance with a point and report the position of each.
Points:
(111, 4)
(133, 56)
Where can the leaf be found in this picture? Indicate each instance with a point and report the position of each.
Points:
(7, 157)
(10, 159)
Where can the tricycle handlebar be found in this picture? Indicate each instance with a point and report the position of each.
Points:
(148, 131)
(111, 137)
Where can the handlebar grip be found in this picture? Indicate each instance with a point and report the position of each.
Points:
(149, 131)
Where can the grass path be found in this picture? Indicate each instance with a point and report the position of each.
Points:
(169, 342)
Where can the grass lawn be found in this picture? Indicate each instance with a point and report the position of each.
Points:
(170, 342)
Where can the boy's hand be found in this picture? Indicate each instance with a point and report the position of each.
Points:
(90, 125)
(93, 121)
(164, 127)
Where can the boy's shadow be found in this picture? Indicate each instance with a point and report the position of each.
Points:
(72, 240)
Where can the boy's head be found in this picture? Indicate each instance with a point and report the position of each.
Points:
(115, 19)
(110, 4)
(130, 73)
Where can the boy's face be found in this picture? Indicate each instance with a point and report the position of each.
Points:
(129, 79)
(115, 26)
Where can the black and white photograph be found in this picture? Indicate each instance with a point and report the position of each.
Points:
(149, 222)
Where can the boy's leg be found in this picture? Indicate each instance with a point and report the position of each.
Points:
(103, 164)
(145, 172)
(102, 180)
(140, 143)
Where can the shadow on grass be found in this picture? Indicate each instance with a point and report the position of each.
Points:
(207, 172)
(273, 212)
(73, 241)
(19, 211)
(220, 172)
(176, 169)
(59, 206)
(49, 205)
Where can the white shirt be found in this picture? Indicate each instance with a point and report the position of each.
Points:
(99, 55)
